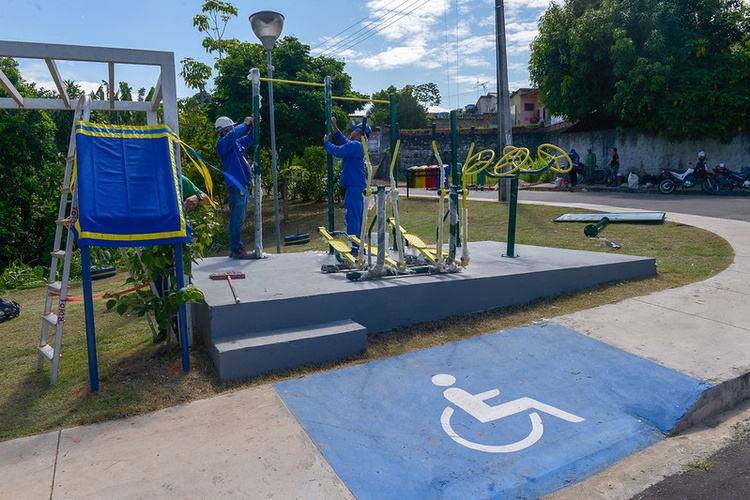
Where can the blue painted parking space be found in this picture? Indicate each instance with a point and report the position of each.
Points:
(513, 414)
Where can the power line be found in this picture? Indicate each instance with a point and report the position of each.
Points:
(374, 31)
(340, 32)
(365, 27)
(403, 14)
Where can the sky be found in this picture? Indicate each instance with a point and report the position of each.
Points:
(383, 42)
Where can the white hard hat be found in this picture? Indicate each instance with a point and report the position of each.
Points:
(223, 122)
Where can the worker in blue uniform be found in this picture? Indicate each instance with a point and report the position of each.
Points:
(234, 139)
(353, 175)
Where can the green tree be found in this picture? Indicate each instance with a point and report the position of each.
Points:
(411, 105)
(308, 175)
(213, 20)
(30, 174)
(299, 110)
(672, 67)
(196, 75)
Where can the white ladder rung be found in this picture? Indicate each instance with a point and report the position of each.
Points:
(50, 318)
(54, 287)
(60, 254)
(47, 351)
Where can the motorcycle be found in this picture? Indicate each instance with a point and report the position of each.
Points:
(672, 179)
(727, 180)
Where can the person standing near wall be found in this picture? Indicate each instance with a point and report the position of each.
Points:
(574, 160)
(590, 165)
(614, 166)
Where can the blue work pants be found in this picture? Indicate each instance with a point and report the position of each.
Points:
(237, 214)
(354, 206)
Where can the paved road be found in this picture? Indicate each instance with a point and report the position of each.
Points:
(735, 206)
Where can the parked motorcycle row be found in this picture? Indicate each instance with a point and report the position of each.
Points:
(728, 180)
(721, 180)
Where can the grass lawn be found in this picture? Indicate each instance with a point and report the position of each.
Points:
(137, 376)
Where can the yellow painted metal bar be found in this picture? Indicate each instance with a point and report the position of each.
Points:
(380, 101)
(311, 84)
(292, 82)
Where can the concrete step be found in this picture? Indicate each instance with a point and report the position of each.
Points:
(249, 355)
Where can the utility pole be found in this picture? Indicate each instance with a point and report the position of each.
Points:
(504, 127)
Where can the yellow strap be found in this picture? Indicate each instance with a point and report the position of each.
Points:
(203, 170)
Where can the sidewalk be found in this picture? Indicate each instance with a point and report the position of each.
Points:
(248, 444)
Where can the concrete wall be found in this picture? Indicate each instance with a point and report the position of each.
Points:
(636, 150)
(651, 152)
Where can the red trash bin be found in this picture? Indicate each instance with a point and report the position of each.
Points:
(431, 177)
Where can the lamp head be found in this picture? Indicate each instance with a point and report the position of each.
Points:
(267, 26)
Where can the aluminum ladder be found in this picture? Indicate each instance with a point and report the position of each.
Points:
(57, 283)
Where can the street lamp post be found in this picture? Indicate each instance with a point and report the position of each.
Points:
(504, 127)
(267, 26)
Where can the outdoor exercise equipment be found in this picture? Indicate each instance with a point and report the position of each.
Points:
(515, 162)
(384, 265)
(591, 230)
(329, 98)
(474, 165)
(399, 240)
(257, 189)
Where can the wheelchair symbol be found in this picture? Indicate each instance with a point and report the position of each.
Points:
(475, 405)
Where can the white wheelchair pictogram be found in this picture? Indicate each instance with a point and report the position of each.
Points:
(476, 406)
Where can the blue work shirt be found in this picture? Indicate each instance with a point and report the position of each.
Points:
(352, 156)
(574, 157)
(231, 149)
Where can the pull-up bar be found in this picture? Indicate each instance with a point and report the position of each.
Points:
(312, 84)
(254, 76)
(291, 82)
(337, 98)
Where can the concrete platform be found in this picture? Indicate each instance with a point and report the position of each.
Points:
(248, 444)
(289, 292)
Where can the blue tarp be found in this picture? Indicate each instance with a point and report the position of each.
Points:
(128, 186)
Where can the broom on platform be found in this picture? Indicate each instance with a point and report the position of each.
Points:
(229, 276)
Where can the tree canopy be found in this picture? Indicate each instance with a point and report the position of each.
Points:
(678, 68)
(30, 175)
(411, 105)
(299, 110)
